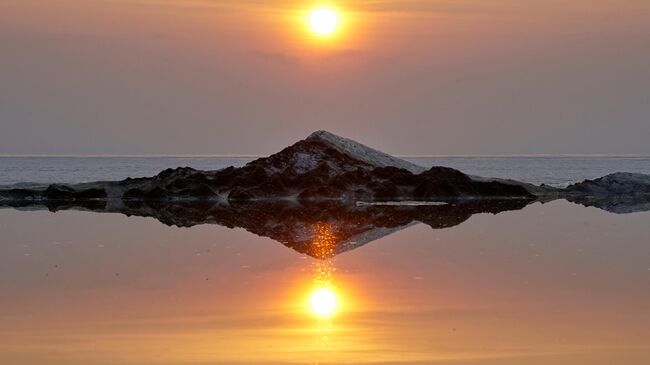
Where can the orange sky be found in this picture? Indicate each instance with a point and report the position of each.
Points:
(410, 77)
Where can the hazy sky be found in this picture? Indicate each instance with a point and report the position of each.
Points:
(244, 76)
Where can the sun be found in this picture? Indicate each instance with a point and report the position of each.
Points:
(323, 302)
(324, 21)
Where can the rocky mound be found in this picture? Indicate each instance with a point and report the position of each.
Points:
(328, 167)
(321, 167)
(618, 184)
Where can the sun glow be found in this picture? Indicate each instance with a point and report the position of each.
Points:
(323, 302)
(324, 21)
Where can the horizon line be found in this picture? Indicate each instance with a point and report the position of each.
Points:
(247, 156)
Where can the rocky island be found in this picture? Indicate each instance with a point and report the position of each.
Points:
(326, 167)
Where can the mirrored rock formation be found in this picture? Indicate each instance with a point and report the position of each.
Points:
(321, 230)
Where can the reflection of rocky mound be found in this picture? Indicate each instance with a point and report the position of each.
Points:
(321, 167)
(321, 230)
(618, 193)
(615, 204)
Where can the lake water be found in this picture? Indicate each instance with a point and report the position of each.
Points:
(553, 283)
(558, 171)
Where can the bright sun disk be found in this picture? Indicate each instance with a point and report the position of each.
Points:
(323, 302)
(323, 21)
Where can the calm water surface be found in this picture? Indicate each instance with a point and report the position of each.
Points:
(550, 284)
(559, 171)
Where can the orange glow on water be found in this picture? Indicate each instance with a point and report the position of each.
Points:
(427, 301)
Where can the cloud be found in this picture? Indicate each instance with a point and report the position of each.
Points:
(374, 6)
(280, 58)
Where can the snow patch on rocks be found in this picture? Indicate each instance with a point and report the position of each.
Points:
(364, 153)
(304, 162)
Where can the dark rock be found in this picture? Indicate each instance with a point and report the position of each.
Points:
(240, 194)
(620, 183)
(59, 192)
(90, 194)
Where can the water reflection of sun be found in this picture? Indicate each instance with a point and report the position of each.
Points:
(323, 244)
(323, 302)
(323, 299)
